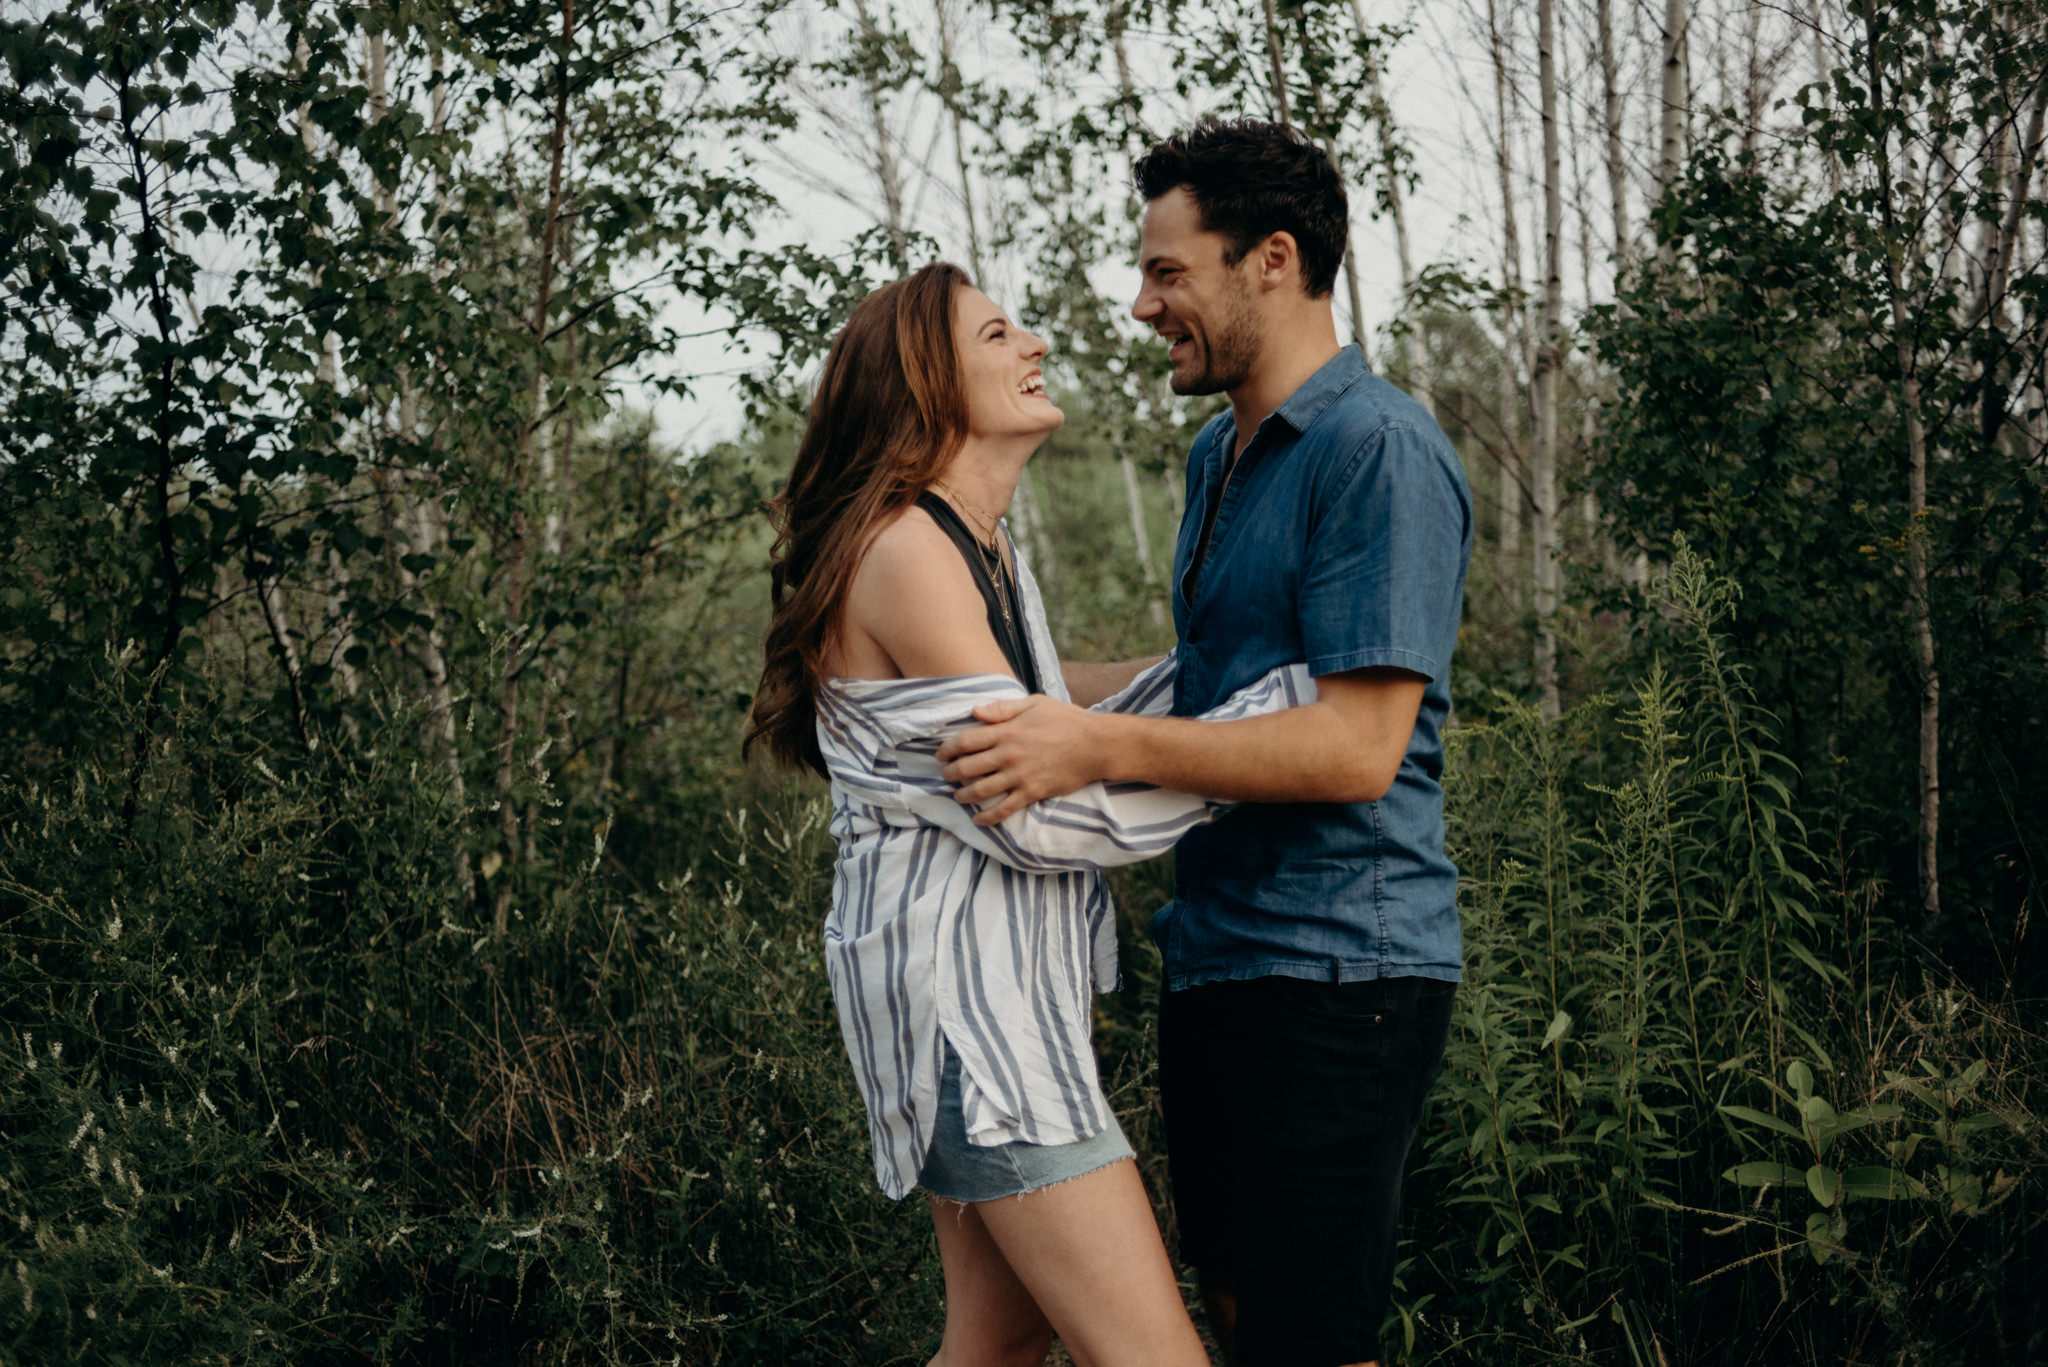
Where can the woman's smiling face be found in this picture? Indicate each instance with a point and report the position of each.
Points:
(999, 371)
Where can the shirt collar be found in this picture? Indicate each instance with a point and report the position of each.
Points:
(1321, 389)
(1307, 403)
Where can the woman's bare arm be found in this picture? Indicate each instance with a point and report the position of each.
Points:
(913, 610)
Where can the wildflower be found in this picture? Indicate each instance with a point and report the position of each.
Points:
(84, 1128)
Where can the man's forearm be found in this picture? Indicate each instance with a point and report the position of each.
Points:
(1346, 746)
(1306, 754)
(1089, 682)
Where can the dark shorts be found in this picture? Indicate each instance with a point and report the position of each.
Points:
(1290, 1105)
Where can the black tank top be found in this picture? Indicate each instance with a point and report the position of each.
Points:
(1005, 605)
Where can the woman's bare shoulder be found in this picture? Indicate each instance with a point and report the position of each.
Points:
(914, 596)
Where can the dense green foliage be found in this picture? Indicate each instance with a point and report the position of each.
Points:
(398, 965)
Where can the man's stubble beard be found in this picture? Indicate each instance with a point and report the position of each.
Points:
(1230, 346)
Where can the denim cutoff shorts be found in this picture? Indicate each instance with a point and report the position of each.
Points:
(959, 1171)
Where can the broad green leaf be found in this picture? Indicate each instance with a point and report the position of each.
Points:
(1764, 1118)
(1765, 1175)
(1820, 1240)
(1824, 1182)
(1879, 1184)
(1559, 1024)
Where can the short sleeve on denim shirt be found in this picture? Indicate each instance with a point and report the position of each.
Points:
(1385, 563)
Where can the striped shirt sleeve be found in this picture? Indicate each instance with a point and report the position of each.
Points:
(1103, 824)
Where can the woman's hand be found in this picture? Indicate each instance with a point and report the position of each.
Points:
(1025, 751)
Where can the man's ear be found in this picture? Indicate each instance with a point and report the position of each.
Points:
(1277, 262)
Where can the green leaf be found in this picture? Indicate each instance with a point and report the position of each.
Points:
(1559, 1024)
(1825, 1184)
(1800, 1078)
(1820, 1241)
(1765, 1175)
(1764, 1118)
(1879, 1184)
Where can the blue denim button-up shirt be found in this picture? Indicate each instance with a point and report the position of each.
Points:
(1341, 540)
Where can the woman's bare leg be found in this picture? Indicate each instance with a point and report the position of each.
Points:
(991, 1320)
(1087, 1251)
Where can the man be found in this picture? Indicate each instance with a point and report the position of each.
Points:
(1311, 950)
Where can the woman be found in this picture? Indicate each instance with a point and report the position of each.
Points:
(962, 956)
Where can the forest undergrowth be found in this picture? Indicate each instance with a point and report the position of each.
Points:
(273, 1091)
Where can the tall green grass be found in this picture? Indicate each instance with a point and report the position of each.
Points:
(1635, 1154)
(270, 1092)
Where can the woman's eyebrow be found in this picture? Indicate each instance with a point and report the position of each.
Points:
(996, 321)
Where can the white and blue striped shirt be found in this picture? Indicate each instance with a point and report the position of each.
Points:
(992, 938)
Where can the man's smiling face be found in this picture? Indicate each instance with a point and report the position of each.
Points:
(1192, 298)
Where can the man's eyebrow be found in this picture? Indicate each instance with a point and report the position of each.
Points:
(1152, 263)
(996, 321)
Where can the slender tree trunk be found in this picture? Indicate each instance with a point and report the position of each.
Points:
(162, 447)
(1127, 467)
(275, 621)
(558, 487)
(1753, 78)
(422, 513)
(518, 550)
(886, 168)
(949, 95)
(1823, 70)
(1414, 345)
(1513, 497)
(1276, 64)
(1515, 315)
(1516, 350)
(2003, 233)
(1546, 377)
(1326, 135)
(1612, 114)
(1916, 507)
(1671, 128)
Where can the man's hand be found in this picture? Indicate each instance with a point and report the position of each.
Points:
(1027, 750)
(1346, 746)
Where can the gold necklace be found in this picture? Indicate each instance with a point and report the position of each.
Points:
(952, 495)
(991, 554)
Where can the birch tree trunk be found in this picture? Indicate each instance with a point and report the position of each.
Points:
(949, 96)
(518, 549)
(1326, 135)
(1414, 345)
(327, 371)
(1672, 94)
(1134, 501)
(1516, 359)
(886, 170)
(1544, 380)
(1275, 64)
(424, 513)
(1611, 119)
(1816, 25)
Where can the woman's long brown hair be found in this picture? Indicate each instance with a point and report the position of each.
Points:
(888, 414)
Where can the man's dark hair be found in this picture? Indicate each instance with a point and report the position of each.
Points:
(1251, 179)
